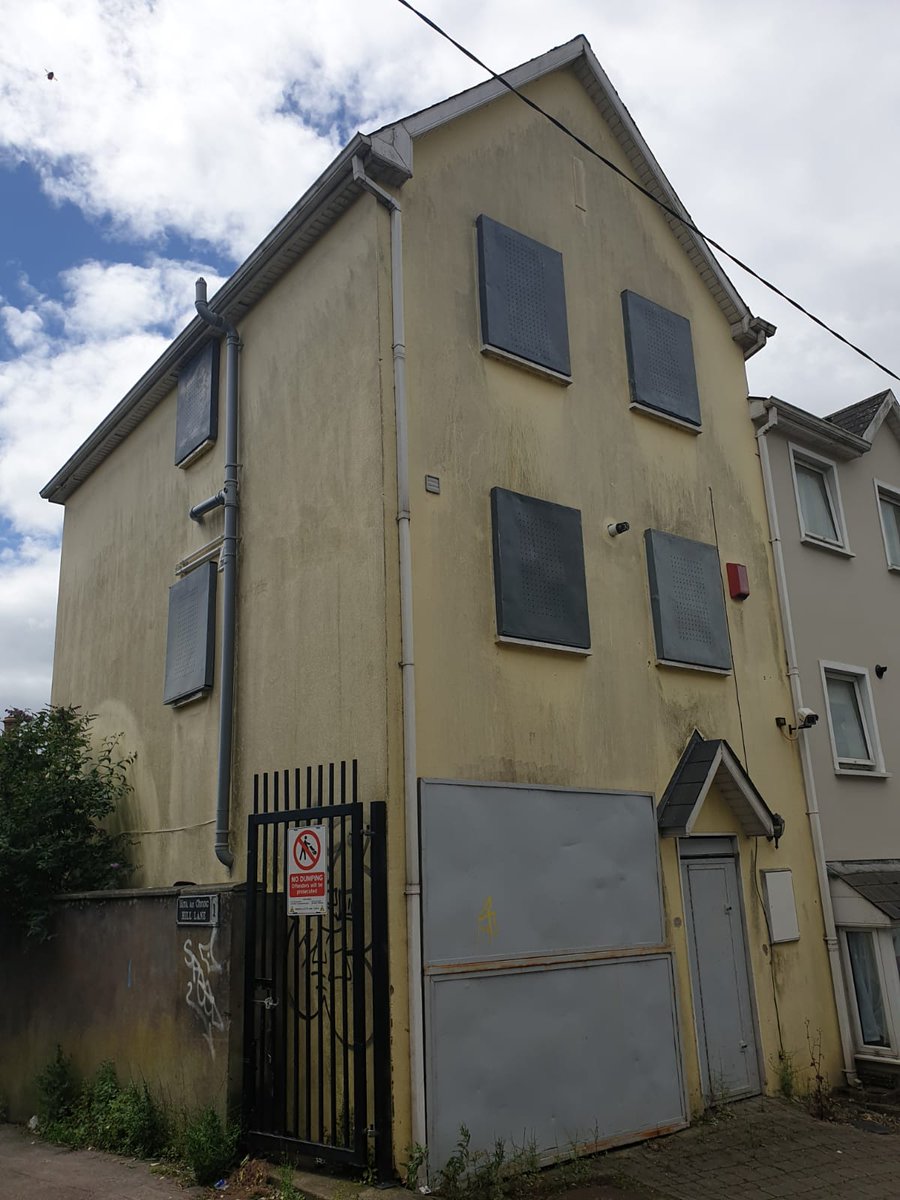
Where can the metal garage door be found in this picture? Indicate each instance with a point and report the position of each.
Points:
(549, 992)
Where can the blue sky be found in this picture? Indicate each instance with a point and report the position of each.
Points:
(174, 136)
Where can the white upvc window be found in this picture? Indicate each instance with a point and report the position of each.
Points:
(819, 508)
(870, 990)
(889, 514)
(855, 745)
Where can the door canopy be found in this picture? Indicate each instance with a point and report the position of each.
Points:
(706, 761)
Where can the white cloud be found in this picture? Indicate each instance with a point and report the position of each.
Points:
(211, 119)
(77, 357)
(82, 354)
(28, 581)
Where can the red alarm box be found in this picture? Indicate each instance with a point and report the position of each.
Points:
(738, 581)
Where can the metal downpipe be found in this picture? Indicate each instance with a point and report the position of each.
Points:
(228, 565)
(812, 802)
(413, 890)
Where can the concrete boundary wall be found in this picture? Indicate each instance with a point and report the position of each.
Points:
(121, 981)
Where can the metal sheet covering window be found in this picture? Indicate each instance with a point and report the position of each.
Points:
(197, 420)
(687, 601)
(660, 353)
(523, 297)
(539, 580)
(191, 638)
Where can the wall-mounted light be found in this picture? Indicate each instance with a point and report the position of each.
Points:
(616, 527)
(777, 828)
(880, 671)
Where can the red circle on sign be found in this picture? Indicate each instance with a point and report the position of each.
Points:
(307, 850)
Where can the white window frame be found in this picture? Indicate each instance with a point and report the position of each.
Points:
(828, 470)
(890, 993)
(859, 676)
(884, 491)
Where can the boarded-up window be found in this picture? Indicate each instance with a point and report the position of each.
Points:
(191, 641)
(660, 354)
(197, 422)
(539, 571)
(523, 297)
(686, 599)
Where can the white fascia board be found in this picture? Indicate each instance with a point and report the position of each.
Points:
(813, 431)
(888, 411)
(319, 207)
(492, 89)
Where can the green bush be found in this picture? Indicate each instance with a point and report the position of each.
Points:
(104, 1115)
(208, 1146)
(57, 1088)
(54, 791)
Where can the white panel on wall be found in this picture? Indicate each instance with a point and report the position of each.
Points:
(778, 891)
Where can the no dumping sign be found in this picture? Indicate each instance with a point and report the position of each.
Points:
(308, 871)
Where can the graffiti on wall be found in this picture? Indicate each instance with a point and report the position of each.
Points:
(204, 966)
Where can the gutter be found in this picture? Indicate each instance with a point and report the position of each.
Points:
(809, 782)
(413, 887)
(228, 498)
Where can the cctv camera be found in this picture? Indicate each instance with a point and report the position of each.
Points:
(807, 718)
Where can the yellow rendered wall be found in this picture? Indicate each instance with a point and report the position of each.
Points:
(495, 712)
(311, 625)
(317, 676)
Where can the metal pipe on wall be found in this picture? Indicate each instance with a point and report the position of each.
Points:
(228, 566)
(407, 666)
(812, 801)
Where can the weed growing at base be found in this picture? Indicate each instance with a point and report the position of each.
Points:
(102, 1114)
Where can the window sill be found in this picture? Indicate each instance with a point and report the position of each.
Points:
(858, 774)
(191, 458)
(534, 368)
(685, 666)
(189, 699)
(503, 639)
(819, 545)
(667, 418)
(894, 568)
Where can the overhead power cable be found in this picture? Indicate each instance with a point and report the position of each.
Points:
(685, 221)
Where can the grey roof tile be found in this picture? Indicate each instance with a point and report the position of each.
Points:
(856, 418)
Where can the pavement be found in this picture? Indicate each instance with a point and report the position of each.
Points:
(30, 1168)
(761, 1149)
(765, 1149)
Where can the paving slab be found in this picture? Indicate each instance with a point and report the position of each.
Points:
(34, 1170)
(764, 1149)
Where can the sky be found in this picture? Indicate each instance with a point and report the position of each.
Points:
(174, 135)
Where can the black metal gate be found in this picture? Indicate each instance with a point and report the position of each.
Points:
(316, 1017)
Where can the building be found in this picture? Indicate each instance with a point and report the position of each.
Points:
(494, 470)
(833, 485)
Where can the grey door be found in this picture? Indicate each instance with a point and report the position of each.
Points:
(723, 1011)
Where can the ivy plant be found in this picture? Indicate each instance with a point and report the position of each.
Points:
(55, 790)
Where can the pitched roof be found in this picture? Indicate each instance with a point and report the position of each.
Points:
(856, 418)
(847, 433)
(704, 762)
(387, 156)
(877, 881)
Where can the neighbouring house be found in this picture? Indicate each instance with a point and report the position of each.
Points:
(833, 486)
(491, 551)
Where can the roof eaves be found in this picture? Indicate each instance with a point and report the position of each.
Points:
(748, 331)
(320, 206)
(889, 411)
(817, 432)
